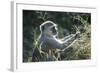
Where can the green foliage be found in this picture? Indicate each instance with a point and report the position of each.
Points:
(68, 22)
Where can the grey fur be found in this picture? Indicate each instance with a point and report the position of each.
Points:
(49, 41)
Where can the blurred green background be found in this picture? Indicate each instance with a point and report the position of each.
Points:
(67, 23)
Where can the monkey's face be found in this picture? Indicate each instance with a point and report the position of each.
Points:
(52, 30)
(49, 28)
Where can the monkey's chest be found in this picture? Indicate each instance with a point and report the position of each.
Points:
(45, 44)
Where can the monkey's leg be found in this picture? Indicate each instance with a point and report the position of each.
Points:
(51, 56)
(57, 54)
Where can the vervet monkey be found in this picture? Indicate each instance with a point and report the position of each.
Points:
(48, 39)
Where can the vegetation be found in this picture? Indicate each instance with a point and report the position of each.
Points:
(68, 22)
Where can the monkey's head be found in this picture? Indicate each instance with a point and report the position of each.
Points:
(49, 28)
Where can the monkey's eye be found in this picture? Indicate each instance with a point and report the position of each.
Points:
(54, 31)
(53, 28)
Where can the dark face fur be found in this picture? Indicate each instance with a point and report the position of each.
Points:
(54, 30)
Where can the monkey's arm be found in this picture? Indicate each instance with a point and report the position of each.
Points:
(71, 40)
(54, 43)
(67, 37)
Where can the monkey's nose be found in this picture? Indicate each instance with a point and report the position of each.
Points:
(54, 31)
